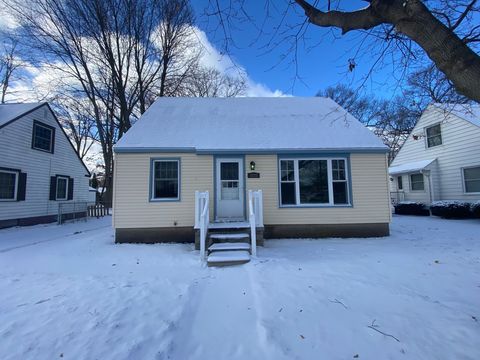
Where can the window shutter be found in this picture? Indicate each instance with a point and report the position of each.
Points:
(22, 186)
(53, 188)
(70, 188)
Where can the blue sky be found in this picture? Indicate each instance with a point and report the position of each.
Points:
(322, 59)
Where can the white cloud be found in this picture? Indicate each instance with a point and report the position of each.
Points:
(211, 57)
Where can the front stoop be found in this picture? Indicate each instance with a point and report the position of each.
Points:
(260, 240)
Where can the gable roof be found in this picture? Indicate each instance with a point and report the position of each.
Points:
(469, 112)
(247, 125)
(11, 112)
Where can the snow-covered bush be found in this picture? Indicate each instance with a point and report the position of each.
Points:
(451, 209)
(475, 208)
(411, 208)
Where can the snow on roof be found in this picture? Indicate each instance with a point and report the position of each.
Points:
(409, 167)
(467, 112)
(236, 124)
(8, 112)
(92, 189)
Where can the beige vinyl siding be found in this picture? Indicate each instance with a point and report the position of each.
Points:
(460, 148)
(16, 152)
(132, 208)
(369, 187)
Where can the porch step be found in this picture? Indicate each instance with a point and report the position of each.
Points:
(229, 225)
(229, 257)
(229, 246)
(229, 236)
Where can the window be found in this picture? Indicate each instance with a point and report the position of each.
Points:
(62, 188)
(471, 178)
(416, 182)
(434, 136)
(399, 183)
(313, 182)
(8, 185)
(229, 176)
(166, 179)
(43, 137)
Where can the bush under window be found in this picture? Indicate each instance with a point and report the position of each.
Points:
(451, 209)
(411, 208)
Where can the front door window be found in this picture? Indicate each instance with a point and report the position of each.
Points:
(229, 179)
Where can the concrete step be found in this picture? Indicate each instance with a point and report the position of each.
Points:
(229, 246)
(228, 236)
(230, 257)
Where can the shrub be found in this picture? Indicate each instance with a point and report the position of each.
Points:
(451, 209)
(475, 208)
(411, 208)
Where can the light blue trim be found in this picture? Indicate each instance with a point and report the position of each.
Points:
(152, 174)
(332, 156)
(242, 157)
(244, 151)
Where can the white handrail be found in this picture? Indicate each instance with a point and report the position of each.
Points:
(202, 218)
(255, 206)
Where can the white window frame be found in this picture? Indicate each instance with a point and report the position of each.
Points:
(16, 185)
(463, 180)
(66, 188)
(51, 137)
(410, 181)
(152, 185)
(426, 135)
(329, 177)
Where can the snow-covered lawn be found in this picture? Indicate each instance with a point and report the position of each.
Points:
(70, 292)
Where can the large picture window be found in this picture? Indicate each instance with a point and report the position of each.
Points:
(8, 185)
(43, 137)
(434, 135)
(166, 180)
(471, 178)
(313, 182)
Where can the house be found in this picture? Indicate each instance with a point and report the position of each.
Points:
(297, 167)
(39, 168)
(440, 160)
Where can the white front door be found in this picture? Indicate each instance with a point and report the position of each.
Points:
(230, 189)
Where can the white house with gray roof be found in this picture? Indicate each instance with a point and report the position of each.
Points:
(238, 170)
(440, 160)
(39, 168)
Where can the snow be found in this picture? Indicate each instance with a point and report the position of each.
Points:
(229, 236)
(410, 167)
(240, 124)
(9, 112)
(469, 112)
(229, 246)
(69, 292)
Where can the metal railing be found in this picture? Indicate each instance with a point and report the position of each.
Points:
(397, 197)
(72, 211)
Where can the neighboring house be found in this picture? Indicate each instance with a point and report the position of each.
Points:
(320, 171)
(440, 160)
(39, 168)
(92, 195)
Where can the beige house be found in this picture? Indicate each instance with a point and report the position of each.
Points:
(240, 170)
(440, 160)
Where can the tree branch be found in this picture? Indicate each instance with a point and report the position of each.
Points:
(355, 20)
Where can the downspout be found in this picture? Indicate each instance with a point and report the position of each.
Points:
(430, 187)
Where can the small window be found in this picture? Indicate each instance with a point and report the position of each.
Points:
(287, 182)
(166, 179)
(471, 177)
(339, 179)
(62, 188)
(8, 185)
(416, 182)
(434, 136)
(399, 183)
(43, 137)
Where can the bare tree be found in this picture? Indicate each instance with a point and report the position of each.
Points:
(109, 52)
(210, 82)
(9, 64)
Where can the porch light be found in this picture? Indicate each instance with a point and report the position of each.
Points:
(252, 165)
